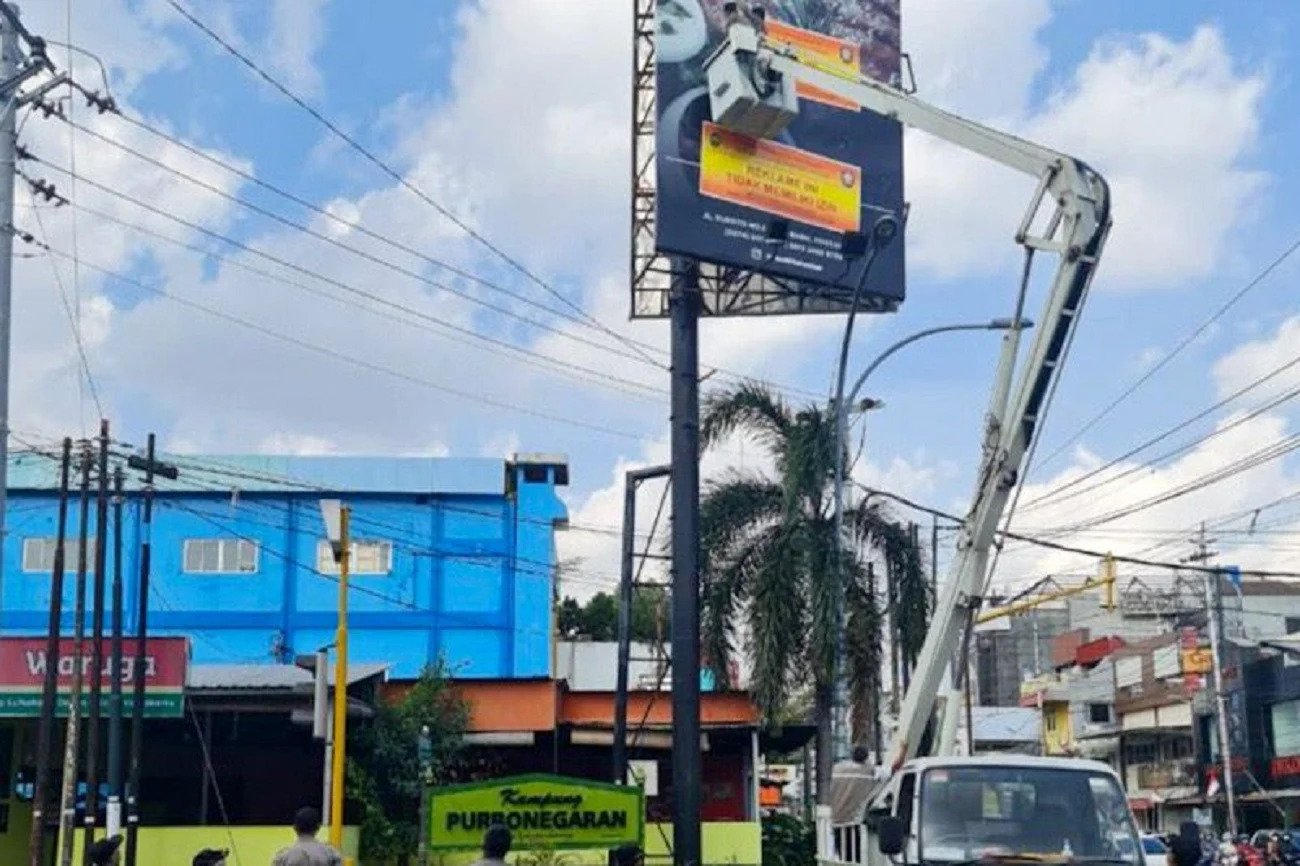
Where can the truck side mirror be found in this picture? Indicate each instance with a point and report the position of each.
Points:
(891, 834)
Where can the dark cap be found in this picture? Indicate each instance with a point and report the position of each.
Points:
(101, 852)
(210, 857)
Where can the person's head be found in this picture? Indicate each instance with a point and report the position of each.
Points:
(210, 857)
(496, 842)
(860, 754)
(627, 855)
(106, 852)
(306, 821)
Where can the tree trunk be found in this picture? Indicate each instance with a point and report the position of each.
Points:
(824, 709)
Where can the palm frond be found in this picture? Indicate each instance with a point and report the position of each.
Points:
(749, 406)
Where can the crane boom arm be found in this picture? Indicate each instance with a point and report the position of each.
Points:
(1077, 222)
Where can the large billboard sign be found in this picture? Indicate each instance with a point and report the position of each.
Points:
(790, 210)
(24, 661)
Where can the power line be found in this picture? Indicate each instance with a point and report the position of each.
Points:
(339, 244)
(1059, 495)
(1054, 494)
(1183, 344)
(350, 359)
(346, 287)
(76, 255)
(1272, 451)
(1067, 548)
(385, 239)
(391, 172)
(72, 318)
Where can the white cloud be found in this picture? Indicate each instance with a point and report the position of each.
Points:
(296, 33)
(1171, 124)
(1256, 359)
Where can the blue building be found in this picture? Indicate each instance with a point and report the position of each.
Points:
(452, 558)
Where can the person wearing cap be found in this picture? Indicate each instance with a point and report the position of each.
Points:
(210, 857)
(308, 851)
(496, 845)
(105, 852)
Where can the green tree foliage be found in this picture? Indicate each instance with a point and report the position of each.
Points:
(597, 620)
(384, 773)
(770, 559)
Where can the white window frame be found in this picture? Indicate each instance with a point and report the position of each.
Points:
(325, 563)
(70, 547)
(226, 547)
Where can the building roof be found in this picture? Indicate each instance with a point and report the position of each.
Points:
(258, 677)
(283, 473)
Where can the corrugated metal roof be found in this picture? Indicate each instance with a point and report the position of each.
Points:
(269, 677)
(282, 473)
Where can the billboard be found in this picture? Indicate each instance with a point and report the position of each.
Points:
(787, 209)
(23, 662)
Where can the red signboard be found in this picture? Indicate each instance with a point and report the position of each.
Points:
(23, 663)
(1286, 765)
(1189, 637)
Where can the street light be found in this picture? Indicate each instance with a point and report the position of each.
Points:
(337, 517)
(840, 721)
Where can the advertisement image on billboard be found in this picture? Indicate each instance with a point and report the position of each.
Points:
(792, 208)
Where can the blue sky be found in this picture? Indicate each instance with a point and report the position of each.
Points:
(512, 114)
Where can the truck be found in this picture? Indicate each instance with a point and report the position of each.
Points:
(934, 806)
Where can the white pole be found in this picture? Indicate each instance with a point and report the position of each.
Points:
(1220, 700)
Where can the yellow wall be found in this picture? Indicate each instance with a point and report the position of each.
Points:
(724, 844)
(1058, 739)
(249, 846)
(13, 844)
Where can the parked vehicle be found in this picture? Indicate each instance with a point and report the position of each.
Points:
(1154, 851)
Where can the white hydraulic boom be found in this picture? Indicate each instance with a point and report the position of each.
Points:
(751, 82)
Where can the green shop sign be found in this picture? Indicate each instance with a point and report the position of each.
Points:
(542, 812)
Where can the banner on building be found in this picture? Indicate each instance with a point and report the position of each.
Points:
(23, 663)
(542, 813)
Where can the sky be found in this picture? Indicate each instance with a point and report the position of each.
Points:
(206, 313)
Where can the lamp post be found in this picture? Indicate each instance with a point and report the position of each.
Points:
(336, 516)
(840, 726)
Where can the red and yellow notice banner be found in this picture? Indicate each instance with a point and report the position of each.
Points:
(826, 52)
(780, 180)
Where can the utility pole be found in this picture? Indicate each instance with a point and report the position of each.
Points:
(114, 815)
(684, 311)
(50, 681)
(631, 483)
(14, 70)
(10, 62)
(426, 782)
(337, 517)
(68, 805)
(1213, 608)
(97, 646)
(149, 463)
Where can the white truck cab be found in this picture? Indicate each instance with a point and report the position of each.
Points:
(1002, 809)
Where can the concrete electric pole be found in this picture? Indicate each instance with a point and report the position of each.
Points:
(1213, 611)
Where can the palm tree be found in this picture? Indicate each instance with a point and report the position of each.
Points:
(769, 555)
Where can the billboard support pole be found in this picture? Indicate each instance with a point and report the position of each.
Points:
(49, 685)
(684, 311)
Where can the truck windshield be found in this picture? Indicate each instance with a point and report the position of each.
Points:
(1050, 814)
